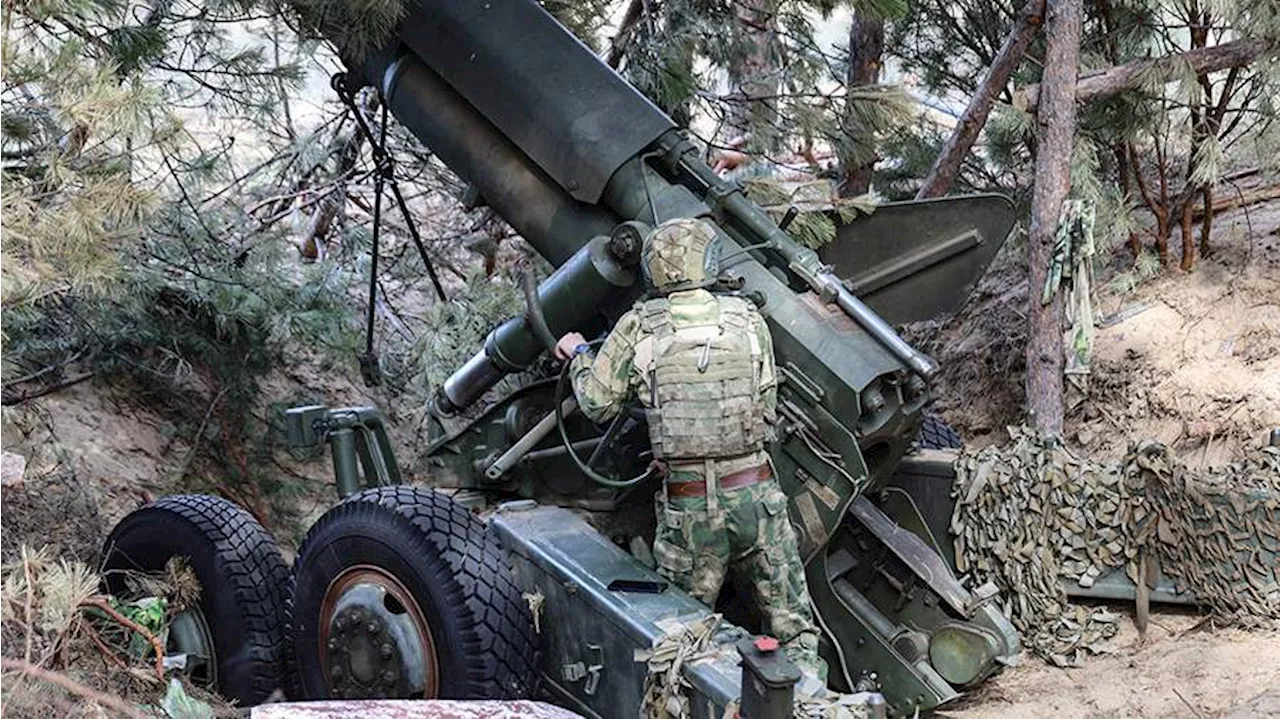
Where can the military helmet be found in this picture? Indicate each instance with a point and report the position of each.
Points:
(681, 254)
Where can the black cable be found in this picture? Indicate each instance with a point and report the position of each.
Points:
(413, 232)
(560, 396)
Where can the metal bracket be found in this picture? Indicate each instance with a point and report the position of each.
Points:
(573, 672)
(595, 670)
(577, 671)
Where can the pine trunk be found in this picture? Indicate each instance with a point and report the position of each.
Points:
(1206, 224)
(1056, 122)
(1114, 80)
(1126, 190)
(753, 105)
(866, 54)
(1188, 238)
(947, 166)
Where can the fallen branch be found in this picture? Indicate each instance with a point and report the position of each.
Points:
(102, 646)
(31, 588)
(100, 603)
(1244, 199)
(71, 685)
(1113, 80)
(947, 166)
(9, 400)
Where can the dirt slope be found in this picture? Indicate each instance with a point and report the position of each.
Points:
(1192, 359)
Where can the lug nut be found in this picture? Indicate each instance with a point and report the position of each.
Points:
(373, 627)
(388, 677)
(340, 624)
(385, 650)
(333, 643)
(336, 672)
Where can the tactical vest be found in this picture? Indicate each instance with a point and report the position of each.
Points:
(704, 381)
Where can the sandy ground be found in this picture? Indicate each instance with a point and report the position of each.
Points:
(1184, 668)
(1191, 359)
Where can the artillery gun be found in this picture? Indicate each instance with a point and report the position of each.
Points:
(401, 591)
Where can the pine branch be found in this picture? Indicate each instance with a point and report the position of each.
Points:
(1105, 83)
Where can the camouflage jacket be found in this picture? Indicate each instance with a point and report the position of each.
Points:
(603, 383)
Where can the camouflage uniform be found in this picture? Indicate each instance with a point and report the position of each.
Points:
(702, 366)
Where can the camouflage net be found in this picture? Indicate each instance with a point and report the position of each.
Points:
(1032, 515)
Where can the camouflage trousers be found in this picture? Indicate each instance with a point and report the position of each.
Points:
(747, 532)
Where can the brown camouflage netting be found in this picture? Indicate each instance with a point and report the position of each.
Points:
(1031, 515)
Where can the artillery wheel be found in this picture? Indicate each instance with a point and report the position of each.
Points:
(234, 637)
(401, 592)
(937, 434)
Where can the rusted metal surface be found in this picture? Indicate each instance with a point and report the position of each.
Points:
(412, 709)
(367, 650)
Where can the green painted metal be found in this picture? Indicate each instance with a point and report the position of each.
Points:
(913, 261)
(361, 451)
(575, 159)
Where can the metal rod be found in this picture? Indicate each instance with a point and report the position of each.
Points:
(527, 442)
(559, 450)
(921, 363)
(346, 471)
(803, 261)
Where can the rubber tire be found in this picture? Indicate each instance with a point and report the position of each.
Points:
(447, 558)
(243, 581)
(937, 434)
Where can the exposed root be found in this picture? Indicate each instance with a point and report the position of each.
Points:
(100, 603)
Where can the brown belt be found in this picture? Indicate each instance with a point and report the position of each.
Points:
(742, 478)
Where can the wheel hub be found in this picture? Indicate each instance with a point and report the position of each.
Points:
(189, 634)
(376, 642)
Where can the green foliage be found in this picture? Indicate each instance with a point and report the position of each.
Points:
(754, 71)
(356, 27)
(1163, 122)
(454, 330)
(815, 224)
(584, 18)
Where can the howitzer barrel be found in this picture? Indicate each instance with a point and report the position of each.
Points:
(539, 209)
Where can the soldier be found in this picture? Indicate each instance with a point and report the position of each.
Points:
(702, 366)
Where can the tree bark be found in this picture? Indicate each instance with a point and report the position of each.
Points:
(1126, 187)
(1206, 223)
(753, 104)
(618, 47)
(1056, 122)
(866, 55)
(949, 161)
(1113, 80)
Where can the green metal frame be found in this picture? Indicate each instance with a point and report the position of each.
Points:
(357, 436)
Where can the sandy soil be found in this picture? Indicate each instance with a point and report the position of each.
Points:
(1182, 669)
(1192, 360)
